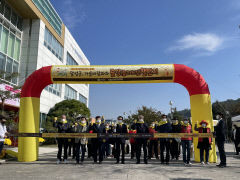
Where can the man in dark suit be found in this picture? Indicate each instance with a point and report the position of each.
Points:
(141, 127)
(220, 139)
(97, 143)
(164, 127)
(63, 127)
(120, 142)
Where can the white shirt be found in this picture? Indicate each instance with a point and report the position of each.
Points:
(3, 131)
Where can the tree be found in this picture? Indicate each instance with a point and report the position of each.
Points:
(71, 108)
(6, 78)
(150, 115)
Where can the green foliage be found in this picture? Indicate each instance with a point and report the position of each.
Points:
(150, 114)
(71, 108)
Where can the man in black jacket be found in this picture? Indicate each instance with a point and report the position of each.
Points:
(120, 142)
(220, 139)
(97, 143)
(63, 127)
(164, 127)
(175, 142)
(141, 127)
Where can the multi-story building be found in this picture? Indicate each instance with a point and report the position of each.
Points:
(32, 35)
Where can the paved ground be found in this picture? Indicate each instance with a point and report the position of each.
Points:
(46, 168)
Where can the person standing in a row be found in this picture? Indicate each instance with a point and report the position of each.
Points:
(204, 144)
(175, 144)
(141, 127)
(63, 127)
(81, 127)
(164, 127)
(186, 142)
(153, 143)
(98, 148)
(120, 142)
(220, 139)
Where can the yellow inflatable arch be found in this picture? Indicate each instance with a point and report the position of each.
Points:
(157, 73)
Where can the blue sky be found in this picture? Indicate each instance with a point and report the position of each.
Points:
(204, 35)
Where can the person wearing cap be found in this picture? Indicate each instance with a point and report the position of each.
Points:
(3, 131)
(153, 143)
(164, 127)
(120, 142)
(175, 142)
(219, 131)
(141, 127)
(204, 144)
(80, 127)
(62, 127)
(97, 143)
(186, 142)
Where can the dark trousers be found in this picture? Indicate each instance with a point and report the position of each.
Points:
(175, 149)
(153, 144)
(186, 147)
(140, 144)
(220, 145)
(206, 154)
(98, 150)
(90, 150)
(236, 146)
(83, 150)
(1, 146)
(106, 148)
(62, 142)
(71, 147)
(165, 145)
(120, 145)
(133, 149)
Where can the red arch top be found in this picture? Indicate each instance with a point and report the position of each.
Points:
(184, 75)
(190, 79)
(36, 82)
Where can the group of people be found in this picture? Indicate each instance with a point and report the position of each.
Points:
(104, 147)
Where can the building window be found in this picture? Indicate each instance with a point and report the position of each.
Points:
(70, 93)
(54, 89)
(82, 99)
(43, 118)
(50, 14)
(10, 15)
(10, 44)
(53, 45)
(70, 60)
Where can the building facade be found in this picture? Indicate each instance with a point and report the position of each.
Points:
(32, 35)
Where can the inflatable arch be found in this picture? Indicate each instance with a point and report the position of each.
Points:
(157, 73)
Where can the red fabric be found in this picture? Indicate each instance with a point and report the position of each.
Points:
(190, 79)
(203, 121)
(200, 130)
(186, 129)
(36, 82)
(152, 131)
(132, 141)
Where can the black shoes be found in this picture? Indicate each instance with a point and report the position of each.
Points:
(138, 162)
(221, 165)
